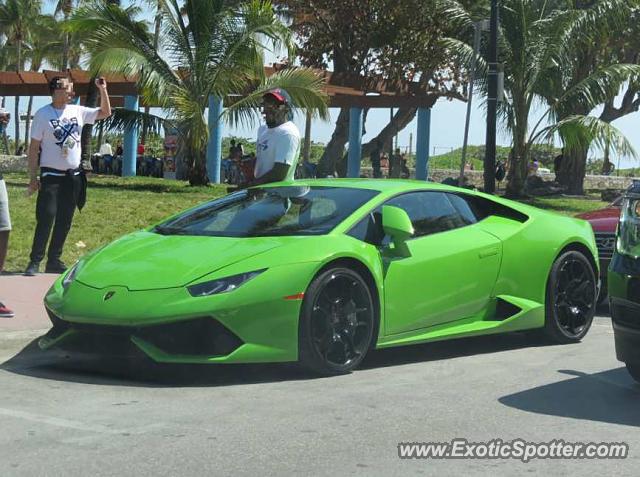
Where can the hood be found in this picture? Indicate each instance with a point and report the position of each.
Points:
(148, 261)
(603, 220)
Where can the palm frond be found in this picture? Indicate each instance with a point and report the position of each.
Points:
(303, 85)
(583, 131)
(124, 119)
(598, 87)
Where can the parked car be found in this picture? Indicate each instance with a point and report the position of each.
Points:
(604, 223)
(321, 271)
(624, 284)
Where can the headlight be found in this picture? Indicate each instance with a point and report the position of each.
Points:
(70, 276)
(629, 228)
(222, 285)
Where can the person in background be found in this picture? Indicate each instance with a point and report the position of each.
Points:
(118, 159)
(107, 157)
(375, 161)
(395, 165)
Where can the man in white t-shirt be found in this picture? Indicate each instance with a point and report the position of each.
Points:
(278, 143)
(55, 140)
(107, 157)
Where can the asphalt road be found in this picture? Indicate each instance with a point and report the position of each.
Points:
(80, 416)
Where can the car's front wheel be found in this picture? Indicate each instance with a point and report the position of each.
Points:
(571, 298)
(337, 322)
(634, 370)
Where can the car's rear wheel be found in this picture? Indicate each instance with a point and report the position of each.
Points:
(337, 322)
(571, 298)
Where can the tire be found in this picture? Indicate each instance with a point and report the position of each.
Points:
(634, 370)
(337, 322)
(570, 298)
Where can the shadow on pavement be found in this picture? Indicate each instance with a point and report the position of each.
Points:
(89, 369)
(609, 396)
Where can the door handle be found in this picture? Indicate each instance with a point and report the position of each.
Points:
(488, 252)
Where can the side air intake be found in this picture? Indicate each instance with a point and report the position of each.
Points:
(505, 310)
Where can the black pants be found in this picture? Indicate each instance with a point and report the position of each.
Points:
(56, 205)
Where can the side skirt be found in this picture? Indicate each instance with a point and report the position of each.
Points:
(530, 316)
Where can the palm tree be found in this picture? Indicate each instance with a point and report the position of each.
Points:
(210, 50)
(539, 38)
(16, 23)
(43, 46)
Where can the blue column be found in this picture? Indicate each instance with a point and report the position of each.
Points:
(422, 143)
(214, 147)
(130, 145)
(355, 142)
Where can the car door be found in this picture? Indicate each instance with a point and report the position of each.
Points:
(452, 267)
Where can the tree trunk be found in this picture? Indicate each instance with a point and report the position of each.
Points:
(27, 124)
(156, 42)
(399, 121)
(87, 130)
(197, 169)
(100, 134)
(606, 165)
(17, 105)
(518, 156)
(65, 52)
(17, 123)
(335, 161)
(65, 38)
(575, 170)
(335, 148)
(518, 171)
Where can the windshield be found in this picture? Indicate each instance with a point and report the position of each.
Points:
(270, 211)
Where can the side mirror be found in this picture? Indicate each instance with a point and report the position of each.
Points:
(397, 224)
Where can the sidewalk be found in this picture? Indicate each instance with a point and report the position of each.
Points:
(24, 295)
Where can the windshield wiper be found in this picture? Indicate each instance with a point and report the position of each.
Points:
(164, 230)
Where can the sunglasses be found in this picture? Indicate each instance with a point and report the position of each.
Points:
(60, 85)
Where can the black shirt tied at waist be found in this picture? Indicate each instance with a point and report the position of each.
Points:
(69, 176)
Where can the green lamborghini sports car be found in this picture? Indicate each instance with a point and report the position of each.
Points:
(321, 271)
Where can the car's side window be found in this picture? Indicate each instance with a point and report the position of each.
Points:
(430, 212)
(370, 229)
(464, 208)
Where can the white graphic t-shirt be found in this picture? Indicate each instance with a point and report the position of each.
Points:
(279, 144)
(59, 130)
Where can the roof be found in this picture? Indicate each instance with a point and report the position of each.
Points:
(344, 90)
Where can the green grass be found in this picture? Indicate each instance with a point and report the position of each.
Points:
(117, 206)
(568, 205)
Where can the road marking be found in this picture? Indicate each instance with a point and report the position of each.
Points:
(68, 424)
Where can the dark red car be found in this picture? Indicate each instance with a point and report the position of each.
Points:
(604, 223)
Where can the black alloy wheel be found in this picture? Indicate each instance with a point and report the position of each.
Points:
(571, 298)
(337, 322)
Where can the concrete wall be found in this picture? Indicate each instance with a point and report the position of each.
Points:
(13, 163)
(476, 178)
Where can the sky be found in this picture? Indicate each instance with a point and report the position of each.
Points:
(447, 124)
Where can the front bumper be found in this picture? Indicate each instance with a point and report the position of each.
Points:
(253, 324)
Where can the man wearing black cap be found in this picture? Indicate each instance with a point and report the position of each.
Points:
(55, 139)
(278, 143)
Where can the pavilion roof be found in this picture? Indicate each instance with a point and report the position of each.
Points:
(343, 90)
